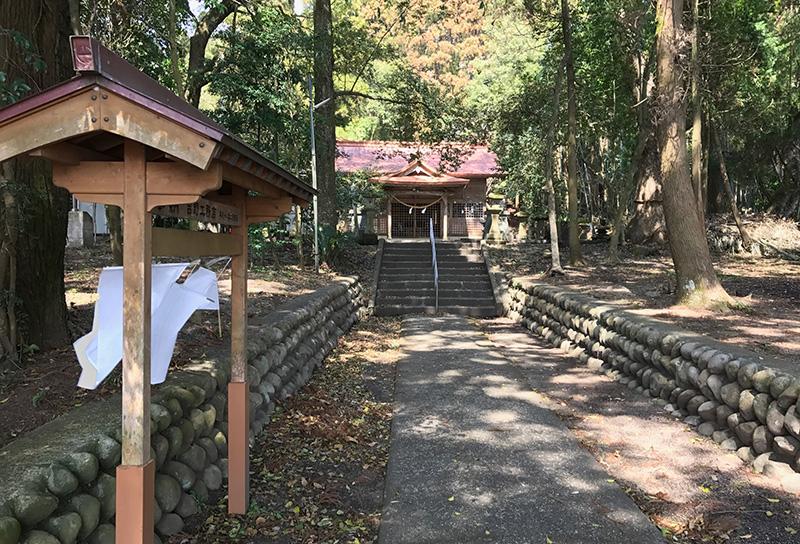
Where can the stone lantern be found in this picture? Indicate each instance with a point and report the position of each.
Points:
(366, 235)
(522, 231)
(494, 234)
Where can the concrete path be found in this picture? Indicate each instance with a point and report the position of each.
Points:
(476, 457)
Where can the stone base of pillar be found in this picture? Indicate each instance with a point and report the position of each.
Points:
(135, 496)
(494, 234)
(238, 448)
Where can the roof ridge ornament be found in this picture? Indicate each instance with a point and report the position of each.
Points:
(83, 53)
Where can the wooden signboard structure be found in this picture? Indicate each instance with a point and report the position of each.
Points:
(116, 137)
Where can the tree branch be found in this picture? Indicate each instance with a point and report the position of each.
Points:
(390, 100)
(198, 65)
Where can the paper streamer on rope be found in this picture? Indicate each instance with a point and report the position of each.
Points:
(172, 303)
(416, 206)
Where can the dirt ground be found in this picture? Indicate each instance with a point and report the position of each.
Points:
(645, 281)
(690, 488)
(42, 385)
(318, 468)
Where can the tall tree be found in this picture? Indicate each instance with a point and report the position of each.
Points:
(575, 255)
(697, 113)
(696, 279)
(549, 173)
(326, 114)
(34, 52)
(726, 184)
(174, 53)
(199, 65)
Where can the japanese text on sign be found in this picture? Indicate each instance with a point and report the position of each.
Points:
(203, 210)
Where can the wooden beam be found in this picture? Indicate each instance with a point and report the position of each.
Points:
(259, 209)
(163, 178)
(238, 390)
(135, 485)
(103, 198)
(125, 118)
(67, 153)
(262, 206)
(239, 177)
(180, 178)
(154, 201)
(187, 243)
(78, 114)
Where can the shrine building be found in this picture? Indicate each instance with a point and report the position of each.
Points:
(448, 183)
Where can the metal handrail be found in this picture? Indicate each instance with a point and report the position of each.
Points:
(435, 266)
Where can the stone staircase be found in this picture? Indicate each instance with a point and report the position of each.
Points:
(405, 280)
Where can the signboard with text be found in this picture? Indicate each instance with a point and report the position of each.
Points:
(203, 210)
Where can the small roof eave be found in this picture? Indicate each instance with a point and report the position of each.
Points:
(419, 174)
(99, 67)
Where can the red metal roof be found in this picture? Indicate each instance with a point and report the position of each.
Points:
(475, 161)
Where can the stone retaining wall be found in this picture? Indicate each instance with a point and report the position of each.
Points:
(58, 482)
(721, 391)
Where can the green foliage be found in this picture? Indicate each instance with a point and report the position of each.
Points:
(355, 190)
(268, 242)
(474, 71)
(29, 61)
(260, 82)
(333, 244)
(139, 31)
(750, 62)
(422, 59)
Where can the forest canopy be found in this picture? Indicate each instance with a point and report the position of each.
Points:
(620, 114)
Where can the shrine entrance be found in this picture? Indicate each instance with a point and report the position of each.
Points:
(412, 219)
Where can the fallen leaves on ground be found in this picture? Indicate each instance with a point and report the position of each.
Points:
(317, 470)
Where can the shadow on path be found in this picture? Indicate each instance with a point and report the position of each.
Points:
(684, 481)
(477, 457)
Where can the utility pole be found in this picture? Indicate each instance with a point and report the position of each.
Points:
(311, 109)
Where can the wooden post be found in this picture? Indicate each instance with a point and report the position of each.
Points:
(238, 401)
(135, 477)
(444, 217)
(389, 216)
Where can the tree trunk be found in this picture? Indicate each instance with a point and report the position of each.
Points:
(747, 242)
(325, 117)
(642, 63)
(199, 67)
(629, 185)
(34, 273)
(298, 225)
(114, 224)
(75, 17)
(174, 63)
(697, 114)
(552, 217)
(647, 226)
(575, 256)
(697, 281)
